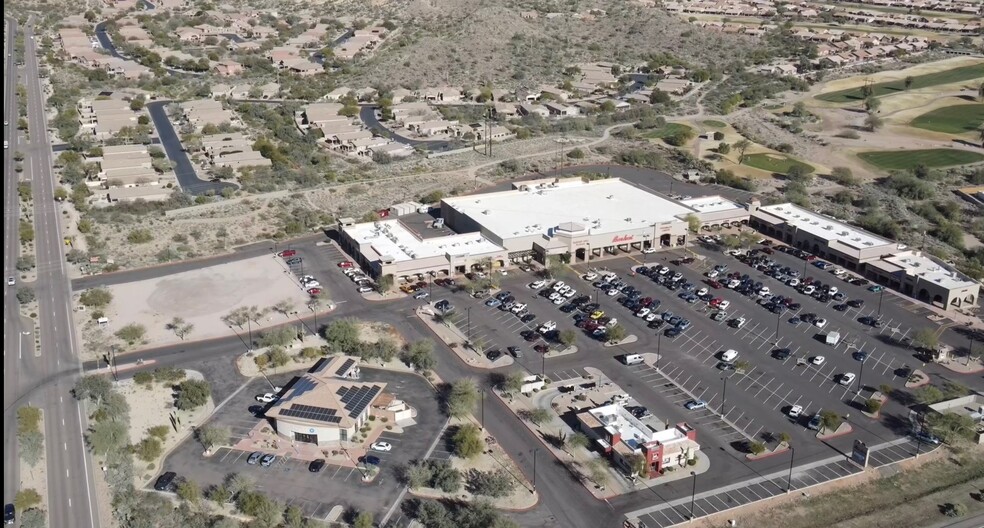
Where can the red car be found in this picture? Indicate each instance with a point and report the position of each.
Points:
(314, 291)
(345, 264)
(287, 253)
(715, 284)
(811, 258)
(767, 251)
(716, 301)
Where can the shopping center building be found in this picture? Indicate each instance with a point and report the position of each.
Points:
(587, 220)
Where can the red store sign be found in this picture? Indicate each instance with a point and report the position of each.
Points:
(624, 238)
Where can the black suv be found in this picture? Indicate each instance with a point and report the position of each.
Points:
(164, 481)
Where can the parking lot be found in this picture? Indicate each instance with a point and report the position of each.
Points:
(288, 478)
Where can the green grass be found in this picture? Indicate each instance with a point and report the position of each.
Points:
(964, 73)
(907, 159)
(667, 131)
(777, 163)
(956, 119)
(715, 124)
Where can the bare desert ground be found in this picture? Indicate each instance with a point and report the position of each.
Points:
(202, 297)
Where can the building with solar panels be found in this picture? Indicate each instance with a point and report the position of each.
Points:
(327, 405)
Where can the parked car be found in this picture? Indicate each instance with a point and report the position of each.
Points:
(493, 354)
(268, 397)
(254, 458)
(815, 422)
(927, 438)
(782, 354)
(9, 513)
(364, 289)
(287, 253)
(370, 460)
(317, 465)
(384, 447)
(847, 378)
(515, 352)
(293, 261)
(163, 483)
(345, 264)
(314, 291)
(694, 405)
(817, 360)
(267, 460)
(795, 411)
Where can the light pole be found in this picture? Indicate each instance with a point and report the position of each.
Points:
(693, 494)
(880, 297)
(724, 397)
(468, 311)
(534, 469)
(483, 409)
(778, 317)
(112, 358)
(789, 481)
(659, 340)
(315, 312)
(596, 295)
(543, 364)
(249, 327)
(857, 390)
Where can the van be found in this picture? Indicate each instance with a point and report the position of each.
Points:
(729, 355)
(632, 359)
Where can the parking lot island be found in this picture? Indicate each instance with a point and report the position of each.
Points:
(458, 342)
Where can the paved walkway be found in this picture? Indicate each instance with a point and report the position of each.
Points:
(762, 488)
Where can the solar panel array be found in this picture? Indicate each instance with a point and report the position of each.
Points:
(345, 366)
(310, 412)
(301, 386)
(356, 399)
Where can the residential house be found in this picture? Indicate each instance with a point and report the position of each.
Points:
(227, 68)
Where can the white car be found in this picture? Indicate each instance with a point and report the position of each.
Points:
(809, 290)
(589, 276)
(739, 322)
(612, 292)
(548, 326)
(612, 324)
(794, 283)
(518, 308)
(648, 251)
(570, 293)
(643, 312)
(536, 285)
(268, 397)
(381, 446)
(713, 274)
(765, 291)
(723, 305)
(833, 290)
(312, 284)
(554, 296)
(558, 285)
(702, 291)
(663, 270)
(11, 281)
(817, 360)
(847, 378)
(651, 317)
(364, 289)
(820, 323)
(559, 300)
(795, 411)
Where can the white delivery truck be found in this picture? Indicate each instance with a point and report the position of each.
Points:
(632, 359)
(833, 338)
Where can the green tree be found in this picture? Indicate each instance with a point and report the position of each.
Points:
(461, 398)
(364, 520)
(106, 436)
(578, 440)
(294, 517)
(512, 383)
(951, 426)
(908, 82)
(159, 432)
(190, 492)
(342, 335)
(33, 518)
(925, 338)
(168, 374)
(928, 395)
(27, 499)
(784, 438)
(92, 387)
(28, 419)
(872, 123)
(148, 449)
(741, 146)
(598, 471)
(384, 283)
(756, 448)
(872, 104)
(25, 295)
(567, 337)
(616, 334)
(539, 415)
(724, 149)
(467, 441)
(192, 394)
(131, 333)
(211, 436)
(31, 444)
(872, 405)
(496, 483)
(830, 420)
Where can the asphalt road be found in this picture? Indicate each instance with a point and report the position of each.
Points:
(367, 113)
(46, 380)
(183, 169)
(105, 41)
(12, 338)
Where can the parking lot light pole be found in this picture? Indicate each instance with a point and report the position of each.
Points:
(778, 318)
(249, 327)
(724, 397)
(789, 480)
(693, 495)
(483, 409)
(659, 340)
(857, 390)
(596, 295)
(534, 469)
(880, 297)
(468, 311)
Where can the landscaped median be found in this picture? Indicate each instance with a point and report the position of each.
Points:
(478, 469)
(447, 332)
(556, 416)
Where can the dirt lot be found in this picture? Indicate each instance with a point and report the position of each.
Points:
(202, 297)
(909, 499)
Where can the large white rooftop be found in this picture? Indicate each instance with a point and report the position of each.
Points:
(711, 204)
(390, 238)
(599, 206)
(825, 227)
(914, 263)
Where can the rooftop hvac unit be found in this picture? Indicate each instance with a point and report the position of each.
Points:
(869, 243)
(629, 219)
(486, 212)
(828, 227)
(610, 196)
(843, 233)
